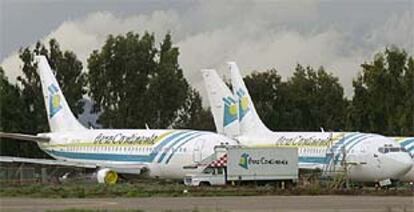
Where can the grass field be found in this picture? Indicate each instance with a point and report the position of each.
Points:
(174, 189)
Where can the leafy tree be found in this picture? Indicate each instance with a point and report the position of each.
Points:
(31, 91)
(11, 105)
(357, 115)
(193, 115)
(407, 114)
(168, 89)
(134, 83)
(28, 114)
(12, 116)
(307, 101)
(314, 99)
(264, 88)
(68, 71)
(383, 100)
(118, 79)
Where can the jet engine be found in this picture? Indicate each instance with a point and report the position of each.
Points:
(107, 176)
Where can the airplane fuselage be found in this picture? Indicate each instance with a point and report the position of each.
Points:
(164, 152)
(329, 151)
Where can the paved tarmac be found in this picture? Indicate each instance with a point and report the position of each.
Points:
(254, 203)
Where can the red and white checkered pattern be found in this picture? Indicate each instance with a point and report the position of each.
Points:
(221, 162)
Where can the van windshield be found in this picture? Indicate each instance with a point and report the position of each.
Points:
(208, 171)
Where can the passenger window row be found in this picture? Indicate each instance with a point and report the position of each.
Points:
(120, 149)
(311, 150)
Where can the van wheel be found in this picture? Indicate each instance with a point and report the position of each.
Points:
(204, 184)
(289, 185)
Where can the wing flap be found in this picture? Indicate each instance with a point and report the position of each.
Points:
(121, 168)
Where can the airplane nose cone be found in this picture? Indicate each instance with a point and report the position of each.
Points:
(402, 163)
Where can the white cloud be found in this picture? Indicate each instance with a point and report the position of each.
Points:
(87, 34)
(256, 34)
(397, 30)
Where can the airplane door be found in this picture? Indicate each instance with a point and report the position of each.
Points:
(197, 152)
(376, 161)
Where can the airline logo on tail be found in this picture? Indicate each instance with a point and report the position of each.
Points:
(243, 103)
(230, 110)
(54, 100)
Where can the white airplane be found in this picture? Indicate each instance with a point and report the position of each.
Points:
(235, 116)
(158, 153)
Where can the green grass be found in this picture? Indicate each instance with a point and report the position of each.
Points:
(130, 210)
(94, 210)
(173, 189)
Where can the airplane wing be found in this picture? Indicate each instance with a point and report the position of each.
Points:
(121, 168)
(126, 168)
(24, 137)
(7, 159)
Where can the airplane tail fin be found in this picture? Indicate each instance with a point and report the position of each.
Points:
(223, 104)
(59, 115)
(250, 122)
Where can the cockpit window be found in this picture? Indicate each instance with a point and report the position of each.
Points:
(395, 149)
(387, 149)
(383, 150)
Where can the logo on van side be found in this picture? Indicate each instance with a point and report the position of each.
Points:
(243, 160)
(246, 161)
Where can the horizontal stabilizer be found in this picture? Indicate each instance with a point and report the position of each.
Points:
(24, 137)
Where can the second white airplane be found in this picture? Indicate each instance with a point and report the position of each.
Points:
(235, 116)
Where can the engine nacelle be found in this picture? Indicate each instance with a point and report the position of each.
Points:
(107, 176)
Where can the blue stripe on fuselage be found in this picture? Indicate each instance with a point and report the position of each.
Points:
(342, 140)
(357, 142)
(346, 141)
(103, 156)
(407, 142)
(175, 142)
(358, 138)
(118, 157)
(411, 150)
(312, 159)
(179, 146)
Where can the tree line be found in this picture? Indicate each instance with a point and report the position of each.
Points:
(383, 100)
(133, 82)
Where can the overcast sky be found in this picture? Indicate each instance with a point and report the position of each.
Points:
(257, 34)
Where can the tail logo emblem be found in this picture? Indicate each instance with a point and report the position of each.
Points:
(230, 111)
(243, 103)
(54, 100)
